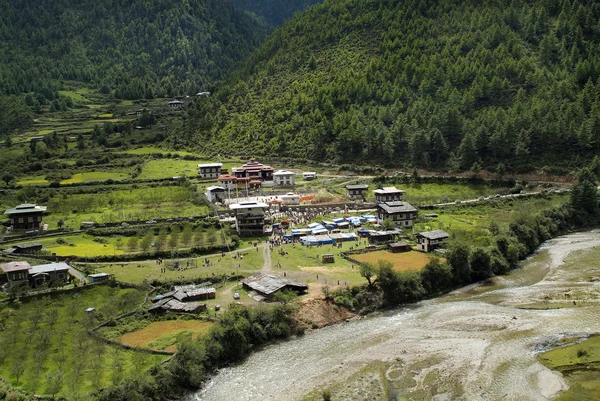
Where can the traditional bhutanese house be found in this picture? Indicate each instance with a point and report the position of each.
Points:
(254, 169)
(215, 194)
(290, 199)
(29, 248)
(98, 278)
(356, 191)
(26, 217)
(388, 194)
(48, 273)
(16, 273)
(429, 241)
(401, 213)
(249, 217)
(284, 178)
(209, 170)
(267, 284)
(227, 181)
(397, 247)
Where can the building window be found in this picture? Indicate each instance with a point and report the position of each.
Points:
(30, 219)
(20, 220)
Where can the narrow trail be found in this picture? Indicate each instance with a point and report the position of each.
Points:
(267, 264)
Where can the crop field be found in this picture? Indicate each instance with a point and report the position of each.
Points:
(402, 261)
(46, 347)
(165, 334)
(95, 176)
(121, 205)
(164, 168)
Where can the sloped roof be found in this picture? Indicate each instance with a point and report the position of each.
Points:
(50, 267)
(396, 207)
(269, 284)
(14, 266)
(26, 208)
(387, 190)
(357, 186)
(435, 234)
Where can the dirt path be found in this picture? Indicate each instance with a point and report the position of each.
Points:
(267, 264)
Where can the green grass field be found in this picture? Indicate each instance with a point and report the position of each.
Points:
(95, 176)
(46, 346)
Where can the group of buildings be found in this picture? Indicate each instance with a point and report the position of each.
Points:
(22, 274)
(250, 176)
(389, 203)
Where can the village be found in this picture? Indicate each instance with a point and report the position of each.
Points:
(267, 235)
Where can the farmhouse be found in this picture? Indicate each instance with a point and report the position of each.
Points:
(29, 248)
(249, 217)
(388, 194)
(284, 178)
(357, 191)
(228, 181)
(267, 285)
(209, 170)
(26, 217)
(402, 213)
(254, 171)
(429, 241)
(215, 194)
(21, 273)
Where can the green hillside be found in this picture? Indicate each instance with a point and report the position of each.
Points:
(451, 84)
(131, 49)
(274, 11)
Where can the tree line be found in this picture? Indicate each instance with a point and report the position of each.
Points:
(443, 85)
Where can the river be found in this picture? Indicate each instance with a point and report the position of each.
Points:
(476, 343)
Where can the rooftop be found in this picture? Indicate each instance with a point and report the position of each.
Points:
(269, 284)
(284, 172)
(248, 205)
(357, 186)
(50, 267)
(435, 234)
(388, 190)
(215, 188)
(15, 266)
(25, 208)
(210, 165)
(397, 207)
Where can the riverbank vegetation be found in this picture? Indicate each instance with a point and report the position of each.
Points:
(474, 255)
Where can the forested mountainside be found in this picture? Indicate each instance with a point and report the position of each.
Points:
(452, 84)
(274, 11)
(129, 48)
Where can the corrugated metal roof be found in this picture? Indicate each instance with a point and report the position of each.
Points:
(269, 284)
(50, 267)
